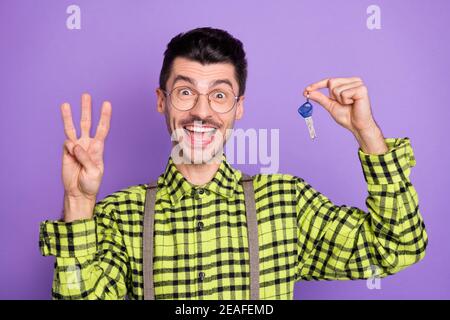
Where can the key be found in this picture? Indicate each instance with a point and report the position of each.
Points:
(306, 110)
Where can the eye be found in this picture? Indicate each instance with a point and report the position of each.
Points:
(219, 95)
(185, 92)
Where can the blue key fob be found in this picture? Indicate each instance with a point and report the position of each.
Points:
(305, 110)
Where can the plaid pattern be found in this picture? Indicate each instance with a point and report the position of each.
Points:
(302, 235)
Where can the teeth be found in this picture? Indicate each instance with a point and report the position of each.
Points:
(200, 129)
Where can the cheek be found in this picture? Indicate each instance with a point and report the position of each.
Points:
(231, 118)
(227, 127)
(227, 122)
(170, 120)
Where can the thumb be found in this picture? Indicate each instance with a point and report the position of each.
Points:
(68, 147)
(83, 157)
(322, 99)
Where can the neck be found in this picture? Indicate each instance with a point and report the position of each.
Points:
(198, 174)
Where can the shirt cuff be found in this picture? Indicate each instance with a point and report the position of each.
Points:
(390, 167)
(68, 239)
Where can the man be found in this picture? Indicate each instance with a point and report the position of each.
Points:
(200, 223)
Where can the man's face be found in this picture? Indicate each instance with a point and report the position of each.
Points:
(200, 133)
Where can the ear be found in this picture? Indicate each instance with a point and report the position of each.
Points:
(240, 108)
(160, 100)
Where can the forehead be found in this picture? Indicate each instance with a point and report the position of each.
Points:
(203, 75)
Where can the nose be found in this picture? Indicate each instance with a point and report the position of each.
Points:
(202, 108)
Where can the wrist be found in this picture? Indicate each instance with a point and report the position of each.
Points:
(77, 208)
(371, 140)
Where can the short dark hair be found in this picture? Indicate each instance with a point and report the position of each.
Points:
(206, 45)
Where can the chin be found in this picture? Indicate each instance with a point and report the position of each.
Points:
(198, 148)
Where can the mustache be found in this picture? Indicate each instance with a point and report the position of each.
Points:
(204, 122)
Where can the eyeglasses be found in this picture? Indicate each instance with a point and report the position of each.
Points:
(184, 98)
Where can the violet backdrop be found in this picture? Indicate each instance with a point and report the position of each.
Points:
(117, 55)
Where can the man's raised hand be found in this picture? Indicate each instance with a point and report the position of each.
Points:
(82, 165)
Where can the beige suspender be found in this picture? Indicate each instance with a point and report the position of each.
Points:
(149, 226)
(252, 227)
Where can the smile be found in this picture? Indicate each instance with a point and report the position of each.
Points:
(199, 136)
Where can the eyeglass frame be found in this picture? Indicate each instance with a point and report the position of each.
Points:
(168, 94)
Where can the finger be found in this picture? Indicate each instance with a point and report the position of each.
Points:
(330, 83)
(86, 107)
(355, 93)
(337, 91)
(83, 157)
(104, 123)
(69, 128)
(323, 100)
(68, 147)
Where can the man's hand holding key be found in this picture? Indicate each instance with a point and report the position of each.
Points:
(348, 104)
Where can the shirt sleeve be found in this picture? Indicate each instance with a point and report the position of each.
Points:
(91, 260)
(343, 242)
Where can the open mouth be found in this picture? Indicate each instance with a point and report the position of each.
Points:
(199, 136)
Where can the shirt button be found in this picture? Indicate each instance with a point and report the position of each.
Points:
(201, 191)
(200, 225)
(201, 276)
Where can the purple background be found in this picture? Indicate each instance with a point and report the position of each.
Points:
(117, 55)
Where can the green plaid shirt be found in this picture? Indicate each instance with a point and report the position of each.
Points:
(201, 248)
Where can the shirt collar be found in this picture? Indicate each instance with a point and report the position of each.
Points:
(224, 182)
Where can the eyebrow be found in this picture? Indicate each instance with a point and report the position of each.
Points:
(181, 77)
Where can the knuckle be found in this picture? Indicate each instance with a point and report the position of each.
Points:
(363, 89)
(97, 174)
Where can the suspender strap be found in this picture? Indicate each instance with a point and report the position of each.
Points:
(149, 225)
(252, 227)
